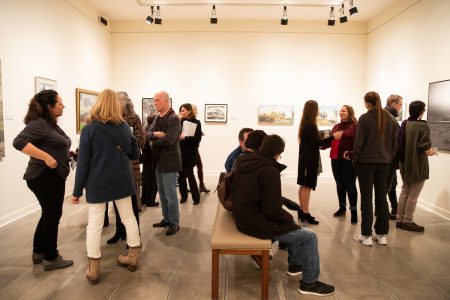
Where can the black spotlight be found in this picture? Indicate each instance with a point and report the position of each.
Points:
(213, 19)
(284, 20)
(150, 19)
(331, 20)
(158, 19)
(343, 18)
(353, 9)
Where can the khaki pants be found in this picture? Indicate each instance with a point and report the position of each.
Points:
(408, 201)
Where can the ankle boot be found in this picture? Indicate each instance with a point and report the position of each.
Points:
(341, 211)
(93, 270)
(310, 219)
(354, 219)
(203, 189)
(116, 237)
(131, 260)
(301, 215)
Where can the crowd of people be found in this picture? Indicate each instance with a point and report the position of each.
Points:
(113, 145)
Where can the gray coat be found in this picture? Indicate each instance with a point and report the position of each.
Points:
(166, 150)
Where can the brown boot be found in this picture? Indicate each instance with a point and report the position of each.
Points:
(131, 260)
(93, 270)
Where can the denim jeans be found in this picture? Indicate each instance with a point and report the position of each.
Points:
(167, 189)
(302, 250)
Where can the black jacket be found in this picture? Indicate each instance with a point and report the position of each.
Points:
(256, 197)
(189, 146)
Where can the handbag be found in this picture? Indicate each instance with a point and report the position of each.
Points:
(223, 189)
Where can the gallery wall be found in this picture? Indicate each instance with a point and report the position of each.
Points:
(406, 52)
(51, 39)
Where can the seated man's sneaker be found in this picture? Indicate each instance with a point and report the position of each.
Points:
(294, 270)
(380, 238)
(316, 288)
(365, 240)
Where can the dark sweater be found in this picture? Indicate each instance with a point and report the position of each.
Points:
(369, 148)
(256, 197)
(232, 157)
(189, 146)
(48, 138)
(103, 169)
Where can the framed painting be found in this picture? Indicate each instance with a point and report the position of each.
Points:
(41, 84)
(148, 108)
(85, 101)
(276, 115)
(216, 113)
(328, 115)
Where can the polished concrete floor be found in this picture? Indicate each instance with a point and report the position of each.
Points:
(412, 266)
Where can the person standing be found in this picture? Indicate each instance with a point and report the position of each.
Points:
(198, 161)
(374, 149)
(414, 140)
(149, 184)
(343, 172)
(48, 147)
(394, 105)
(308, 157)
(189, 151)
(164, 136)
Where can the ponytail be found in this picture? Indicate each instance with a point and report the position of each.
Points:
(374, 100)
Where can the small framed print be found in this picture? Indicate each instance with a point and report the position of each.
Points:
(41, 84)
(216, 113)
(85, 101)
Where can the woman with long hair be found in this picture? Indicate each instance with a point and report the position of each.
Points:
(308, 157)
(374, 148)
(415, 147)
(48, 147)
(341, 164)
(106, 147)
(189, 150)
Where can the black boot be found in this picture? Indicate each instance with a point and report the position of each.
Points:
(301, 215)
(354, 219)
(203, 189)
(310, 219)
(341, 211)
(116, 237)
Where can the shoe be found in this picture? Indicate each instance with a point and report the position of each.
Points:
(294, 270)
(340, 212)
(37, 258)
(316, 288)
(354, 218)
(412, 227)
(398, 224)
(57, 263)
(203, 189)
(116, 237)
(301, 215)
(161, 224)
(93, 270)
(152, 204)
(380, 238)
(106, 221)
(282, 246)
(172, 229)
(196, 202)
(310, 219)
(183, 200)
(365, 240)
(131, 259)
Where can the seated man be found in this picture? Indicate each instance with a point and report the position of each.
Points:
(258, 212)
(243, 133)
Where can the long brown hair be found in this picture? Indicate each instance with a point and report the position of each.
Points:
(351, 115)
(188, 107)
(374, 100)
(310, 111)
(38, 107)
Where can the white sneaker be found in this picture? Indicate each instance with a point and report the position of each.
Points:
(365, 240)
(380, 238)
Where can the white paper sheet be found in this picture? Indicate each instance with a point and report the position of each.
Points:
(189, 128)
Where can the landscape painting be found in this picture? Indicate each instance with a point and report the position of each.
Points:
(276, 115)
(328, 115)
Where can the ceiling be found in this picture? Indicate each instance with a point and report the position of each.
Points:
(137, 10)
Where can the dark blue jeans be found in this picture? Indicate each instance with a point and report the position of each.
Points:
(302, 250)
(345, 177)
(373, 176)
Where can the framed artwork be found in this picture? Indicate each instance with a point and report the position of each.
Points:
(216, 113)
(41, 84)
(85, 101)
(276, 115)
(328, 115)
(2, 133)
(148, 108)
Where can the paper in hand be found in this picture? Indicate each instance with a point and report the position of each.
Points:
(188, 128)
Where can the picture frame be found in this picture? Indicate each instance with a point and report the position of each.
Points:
(328, 115)
(276, 115)
(85, 100)
(216, 113)
(148, 108)
(41, 84)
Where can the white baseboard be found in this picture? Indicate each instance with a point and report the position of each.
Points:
(431, 207)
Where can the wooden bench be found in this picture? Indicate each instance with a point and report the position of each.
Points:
(226, 239)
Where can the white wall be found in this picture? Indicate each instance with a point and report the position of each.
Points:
(242, 64)
(51, 39)
(404, 54)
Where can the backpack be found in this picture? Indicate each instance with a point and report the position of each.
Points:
(224, 189)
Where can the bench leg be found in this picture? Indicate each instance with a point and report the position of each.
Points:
(215, 275)
(265, 275)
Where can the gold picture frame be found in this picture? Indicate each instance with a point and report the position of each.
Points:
(85, 100)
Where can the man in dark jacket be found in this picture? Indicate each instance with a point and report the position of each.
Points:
(258, 212)
(163, 135)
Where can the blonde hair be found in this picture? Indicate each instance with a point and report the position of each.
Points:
(107, 108)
